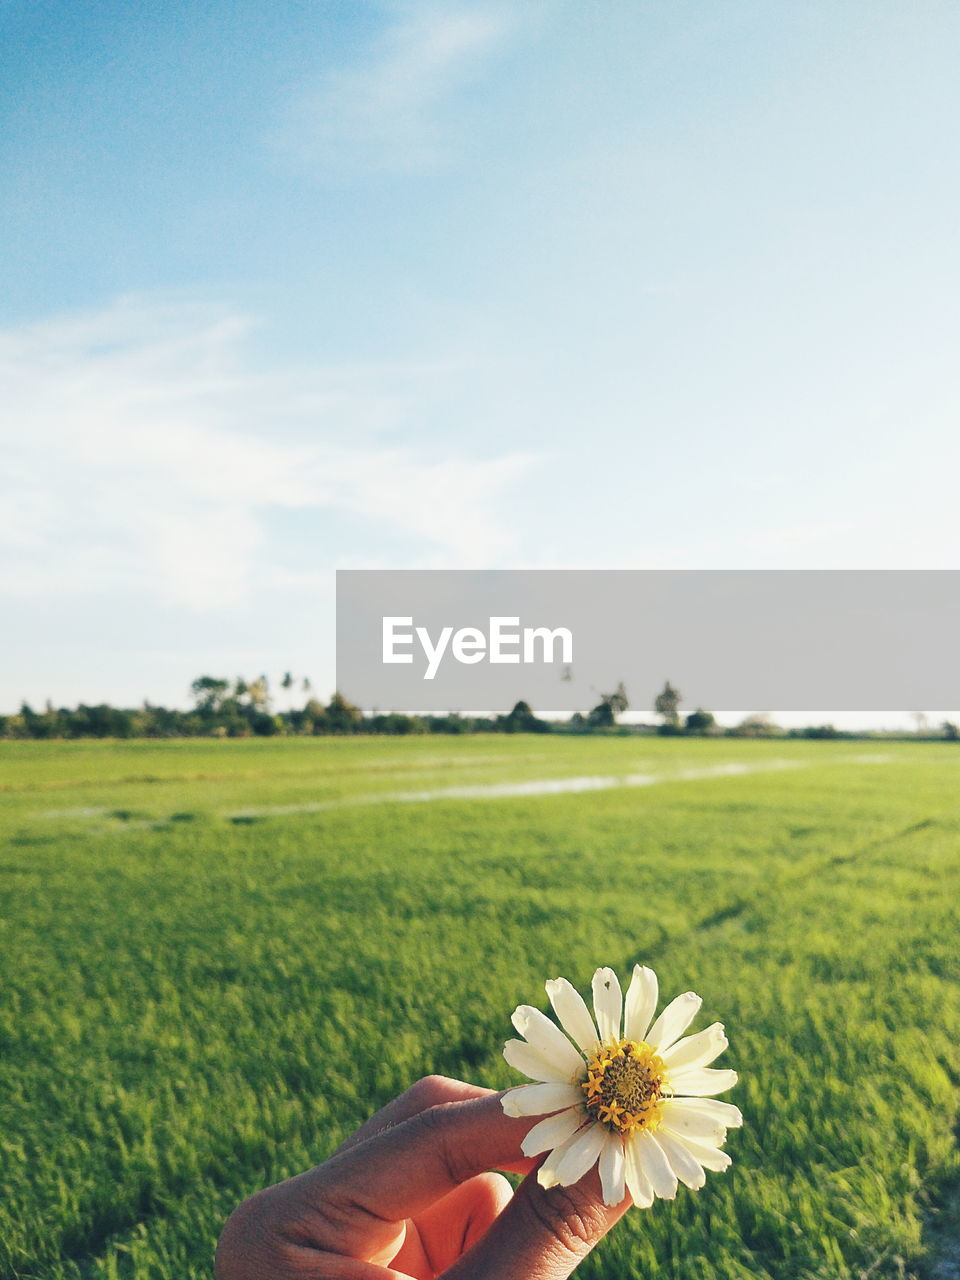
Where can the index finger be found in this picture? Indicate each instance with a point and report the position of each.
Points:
(430, 1091)
(346, 1204)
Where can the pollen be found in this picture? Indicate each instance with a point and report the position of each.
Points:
(624, 1086)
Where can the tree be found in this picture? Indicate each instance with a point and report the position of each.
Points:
(522, 720)
(951, 731)
(617, 701)
(258, 691)
(604, 714)
(208, 693)
(757, 725)
(314, 717)
(264, 724)
(342, 716)
(396, 722)
(452, 723)
(818, 731)
(667, 704)
(601, 716)
(701, 722)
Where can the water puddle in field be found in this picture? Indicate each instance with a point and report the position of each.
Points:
(534, 787)
(82, 811)
(500, 790)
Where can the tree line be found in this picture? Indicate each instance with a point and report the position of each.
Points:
(239, 708)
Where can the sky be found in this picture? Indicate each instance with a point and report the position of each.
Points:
(313, 285)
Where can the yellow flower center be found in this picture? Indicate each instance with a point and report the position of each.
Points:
(624, 1086)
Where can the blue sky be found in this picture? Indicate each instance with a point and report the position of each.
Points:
(292, 287)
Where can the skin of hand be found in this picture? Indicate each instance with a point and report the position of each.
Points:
(411, 1196)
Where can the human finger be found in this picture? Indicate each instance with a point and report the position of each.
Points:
(256, 1243)
(542, 1233)
(430, 1091)
(353, 1203)
(437, 1238)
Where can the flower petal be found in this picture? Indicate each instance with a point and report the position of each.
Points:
(685, 1122)
(724, 1112)
(612, 1170)
(702, 1082)
(540, 1099)
(710, 1157)
(547, 1038)
(570, 1008)
(524, 1057)
(638, 1184)
(581, 1155)
(696, 1051)
(607, 1003)
(674, 1021)
(547, 1173)
(656, 1166)
(551, 1132)
(641, 1003)
(682, 1162)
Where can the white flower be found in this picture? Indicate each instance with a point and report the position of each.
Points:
(636, 1098)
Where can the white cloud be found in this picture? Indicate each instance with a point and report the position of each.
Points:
(393, 112)
(141, 456)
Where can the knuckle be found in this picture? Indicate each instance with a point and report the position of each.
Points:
(332, 1214)
(490, 1194)
(569, 1218)
(430, 1091)
(492, 1184)
(242, 1240)
(437, 1122)
(243, 1220)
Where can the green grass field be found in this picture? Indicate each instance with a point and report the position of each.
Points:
(219, 957)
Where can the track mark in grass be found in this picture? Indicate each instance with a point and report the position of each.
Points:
(722, 916)
(184, 817)
(941, 1231)
(466, 1055)
(844, 859)
(83, 1243)
(773, 893)
(919, 826)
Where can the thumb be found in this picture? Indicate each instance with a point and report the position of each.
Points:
(542, 1234)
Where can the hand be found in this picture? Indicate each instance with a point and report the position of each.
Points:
(410, 1195)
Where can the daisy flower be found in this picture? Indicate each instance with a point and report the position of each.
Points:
(631, 1096)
